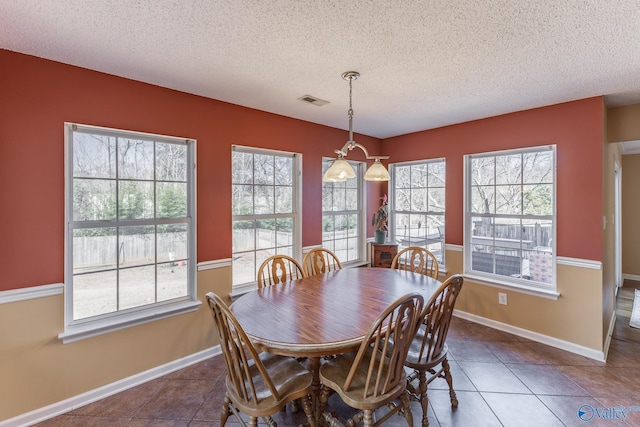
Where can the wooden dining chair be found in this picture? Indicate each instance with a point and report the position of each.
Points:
(374, 376)
(279, 269)
(258, 385)
(418, 259)
(319, 261)
(429, 348)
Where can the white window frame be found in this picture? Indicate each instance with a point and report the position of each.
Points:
(358, 167)
(96, 325)
(239, 288)
(523, 285)
(395, 234)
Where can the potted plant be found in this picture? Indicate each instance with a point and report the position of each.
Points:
(379, 221)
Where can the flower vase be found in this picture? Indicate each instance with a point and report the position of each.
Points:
(380, 236)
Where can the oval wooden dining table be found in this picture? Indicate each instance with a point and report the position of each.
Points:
(325, 314)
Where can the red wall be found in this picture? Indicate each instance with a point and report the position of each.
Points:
(37, 96)
(577, 129)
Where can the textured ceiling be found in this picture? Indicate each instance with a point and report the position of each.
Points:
(423, 64)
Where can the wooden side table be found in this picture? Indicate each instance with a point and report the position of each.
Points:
(382, 254)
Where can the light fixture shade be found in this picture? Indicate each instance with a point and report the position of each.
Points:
(339, 171)
(377, 172)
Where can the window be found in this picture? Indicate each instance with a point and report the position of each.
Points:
(510, 215)
(418, 205)
(264, 209)
(342, 215)
(130, 246)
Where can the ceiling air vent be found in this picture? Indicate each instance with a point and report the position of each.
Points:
(313, 100)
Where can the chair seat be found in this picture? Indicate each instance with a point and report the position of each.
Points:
(290, 378)
(334, 371)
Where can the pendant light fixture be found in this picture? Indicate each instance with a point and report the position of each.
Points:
(340, 169)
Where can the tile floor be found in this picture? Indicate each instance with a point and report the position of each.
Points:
(500, 380)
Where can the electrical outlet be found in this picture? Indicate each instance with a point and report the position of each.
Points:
(502, 298)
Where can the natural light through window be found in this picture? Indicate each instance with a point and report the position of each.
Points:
(510, 215)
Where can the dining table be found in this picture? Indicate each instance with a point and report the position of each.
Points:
(324, 314)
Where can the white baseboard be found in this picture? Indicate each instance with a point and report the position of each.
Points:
(83, 399)
(534, 336)
(633, 277)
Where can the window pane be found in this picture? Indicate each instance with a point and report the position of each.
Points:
(172, 242)
(241, 168)
(264, 202)
(137, 245)
(482, 199)
(263, 166)
(137, 286)
(508, 169)
(436, 175)
(244, 236)
(172, 280)
(94, 249)
(94, 156)
(94, 200)
(538, 167)
(436, 200)
(402, 176)
(284, 227)
(95, 294)
(482, 171)
(244, 267)
(171, 199)
(242, 200)
(419, 175)
(135, 200)
(508, 199)
(284, 200)
(403, 199)
(283, 171)
(266, 233)
(419, 199)
(136, 159)
(351, 199)
(171, 162)
(538, 199)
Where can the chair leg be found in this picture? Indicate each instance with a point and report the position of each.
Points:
(424, 400)
(226, 411)
(406, 408)
(253, 422)
(368, 418)
(449, 378)
(308, 410)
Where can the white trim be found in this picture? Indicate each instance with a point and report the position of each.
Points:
(95, 328)
(119, 386)
(210, 265)
(512, 286)
(634, 277)
(607, 341)
(534, 336)
(32, 292)
(454, 248)
(577, 262)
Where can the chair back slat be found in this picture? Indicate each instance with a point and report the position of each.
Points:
(417, 259)
(241, 357)
(385, 347)
(278, 269)
(319, 261)
(437, 317)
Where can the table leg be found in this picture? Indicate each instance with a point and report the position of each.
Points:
(314, 367)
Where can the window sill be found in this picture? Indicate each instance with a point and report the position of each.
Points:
(93, 329)
(511, 286)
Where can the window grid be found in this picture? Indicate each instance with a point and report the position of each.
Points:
(510, 215)
(418, 205)
(342, 215)
(264, 209)
(130, 244)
